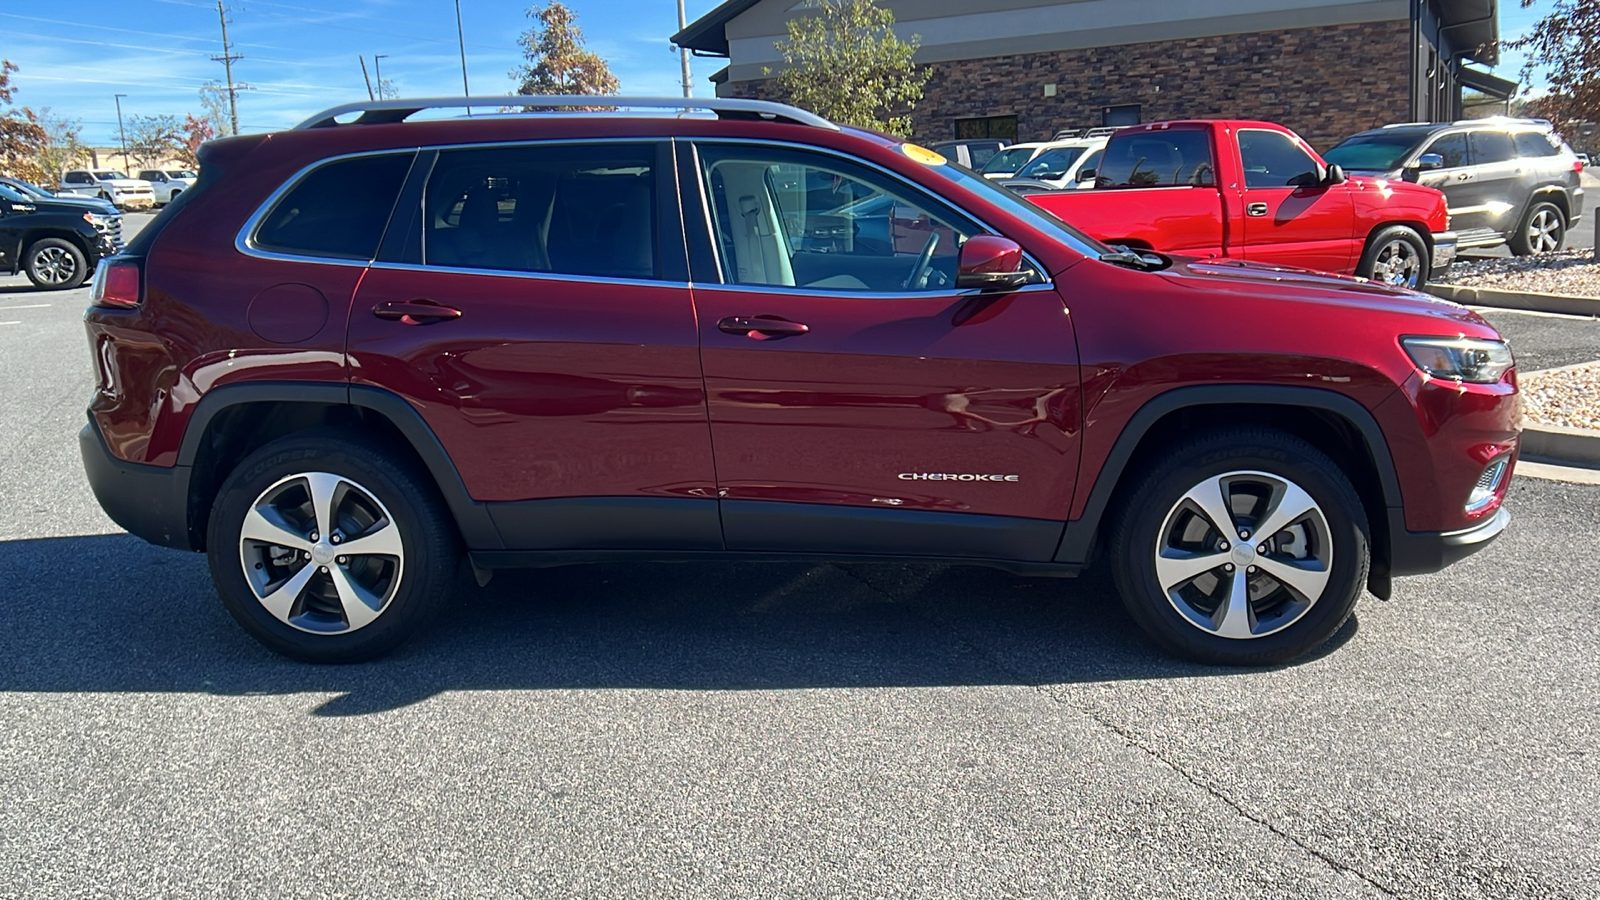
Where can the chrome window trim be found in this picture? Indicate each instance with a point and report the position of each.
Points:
(803, 291)
(519, 273)
(705, 205)
(244, 241)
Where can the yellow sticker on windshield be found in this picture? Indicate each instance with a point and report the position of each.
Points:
(923, 155)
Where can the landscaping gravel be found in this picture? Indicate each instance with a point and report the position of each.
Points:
(1568, 396)
(1573, 273)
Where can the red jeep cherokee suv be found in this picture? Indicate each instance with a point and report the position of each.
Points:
(359, 349)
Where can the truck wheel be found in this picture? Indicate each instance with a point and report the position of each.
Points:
(1543, 230)
(55, 264)
(1396, 255)
(327, 550)
(1241, 547)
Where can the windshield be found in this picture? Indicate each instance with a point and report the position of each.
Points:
(1008, 161)
(1379, 151)
(180, 173)
(13, 196)
(1013, 203)
(106, 175)
(23, 187)
(1052, 163)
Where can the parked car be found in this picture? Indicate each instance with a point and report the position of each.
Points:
(974, 154)
(1058, 168)
(167, 183)
(1584, 158)
(1507, 181)
(55, 243)
(28, 189)
(1008, 162)
(111, 186)
(1256, 191)
(542, 340)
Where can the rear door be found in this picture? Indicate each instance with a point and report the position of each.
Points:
(534, 308)
(1497, 179)
(1291, 217)
(860, 402)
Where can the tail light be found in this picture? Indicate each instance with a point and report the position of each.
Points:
(118, 284)
(1577, 166)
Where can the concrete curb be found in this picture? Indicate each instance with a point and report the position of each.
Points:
(1550, 303)
(1561, 445)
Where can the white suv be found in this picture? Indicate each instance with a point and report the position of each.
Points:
(110, 185)
(168, 183)
(1060, 167)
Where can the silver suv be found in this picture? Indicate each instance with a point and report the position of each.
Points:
(1507, 181)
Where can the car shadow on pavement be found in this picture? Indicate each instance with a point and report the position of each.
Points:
(20, 289)
(112, 613)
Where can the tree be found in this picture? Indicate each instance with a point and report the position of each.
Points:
(214, 99)
(154, 139)
(195, 133)
(1565, 44)
(558, 63)
(62, 147)
(21, 135)
(847, 65)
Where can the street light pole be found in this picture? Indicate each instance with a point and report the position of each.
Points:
(377, 70)
(120, 131)
(461, 38)
(683, 52)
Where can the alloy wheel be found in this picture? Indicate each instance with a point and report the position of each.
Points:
(1244, 554)
(321, 553)
(54, 265)
(1544, 231)
(1398, 263)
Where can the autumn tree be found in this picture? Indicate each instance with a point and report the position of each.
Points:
(558, 62)
(62, 147)
(846, 64)
(195, 133)
(153, 139)
(21, 135)
(214, 100)
(1565, 45)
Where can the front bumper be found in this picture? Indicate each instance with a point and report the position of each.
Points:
(151, 502)
(1424, 552)
(1444, 250)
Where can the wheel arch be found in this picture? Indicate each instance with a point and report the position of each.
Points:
(36, 235)
(1550, 193)
(232, 421)
(1420, 227)
(1325, 418)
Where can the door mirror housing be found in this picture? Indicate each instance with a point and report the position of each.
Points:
(1334, 175)
(1428, 161)
(989, 262)
(1085, 175)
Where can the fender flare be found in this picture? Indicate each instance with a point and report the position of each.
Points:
(1077, 540)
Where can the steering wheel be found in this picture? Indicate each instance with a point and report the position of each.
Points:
(918, 279)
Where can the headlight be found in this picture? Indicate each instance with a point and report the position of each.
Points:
(1473, 360)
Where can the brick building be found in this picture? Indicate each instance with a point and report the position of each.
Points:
(1023, 69)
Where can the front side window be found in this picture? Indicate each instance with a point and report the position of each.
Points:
(1052, 163)
(1273, 160)
(339, 210)
(1008, 161)
(1492, 147)
(566, 209)
(794, 219)
(1158, 159)
(1452, 147)
(1535, 144)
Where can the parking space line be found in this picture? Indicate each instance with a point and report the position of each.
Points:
(32, 306)
(10, 323)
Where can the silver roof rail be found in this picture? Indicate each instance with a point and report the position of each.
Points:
(380, 111)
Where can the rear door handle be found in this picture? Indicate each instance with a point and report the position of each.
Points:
(415, 312)
(761, 327)
(1255, 209)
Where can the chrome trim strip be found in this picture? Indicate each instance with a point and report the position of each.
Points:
(802, 290)
(515, 273)
(777, 111)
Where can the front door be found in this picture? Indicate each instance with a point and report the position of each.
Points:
(859, 402)
(536, 312)
(1291, 217)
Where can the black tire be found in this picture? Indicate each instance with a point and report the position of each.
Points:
(1378, 256)
(1156, 509)
(415, 583)
(1524, 243)
(55, 264)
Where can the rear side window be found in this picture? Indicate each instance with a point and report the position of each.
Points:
(1535, 144)
(1453, 147)
(1158, 159)
(339, 210)
(1271, 159)
(1492, 147)
(577, 209)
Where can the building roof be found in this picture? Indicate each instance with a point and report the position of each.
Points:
(708, 34)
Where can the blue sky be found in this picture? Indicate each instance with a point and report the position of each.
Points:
(300, 58)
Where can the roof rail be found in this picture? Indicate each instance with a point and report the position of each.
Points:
(1067, 134)
(1104, 131)
(1502, 120)
(1406, 124)
(381, 111)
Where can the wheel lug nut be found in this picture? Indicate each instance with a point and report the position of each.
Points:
(1251, 569)
(1223, 546)
(313, 536)
(1227, 567)
(335, 539)
(343, 560)
(323, 569)
(1244, 535)
(1262, 549)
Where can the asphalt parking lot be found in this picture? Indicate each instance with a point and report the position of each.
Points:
(779, 730)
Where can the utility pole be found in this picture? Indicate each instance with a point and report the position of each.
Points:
(365, 77)
(461, 38)
(120, 131)
(683, 52)
(377, 71)
(227, 59)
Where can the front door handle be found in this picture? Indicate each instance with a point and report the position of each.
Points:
(761, 328)
(1255, 209)
(415, 312)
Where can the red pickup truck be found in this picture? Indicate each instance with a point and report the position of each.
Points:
(1256, 191)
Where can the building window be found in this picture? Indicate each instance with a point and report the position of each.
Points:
(1002, 128)
(1119, 116)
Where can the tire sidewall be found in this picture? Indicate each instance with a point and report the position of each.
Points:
(79, 261)
(429, 561)
(1148, 508)
(1369, 256)
(1520, 244)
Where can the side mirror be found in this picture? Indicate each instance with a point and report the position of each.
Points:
(1429, 161)
(1085, 175)
(989, 262)
(1334, 175)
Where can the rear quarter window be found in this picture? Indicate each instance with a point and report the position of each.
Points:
(1158, 159)
(339, 210)
(1535, 144)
